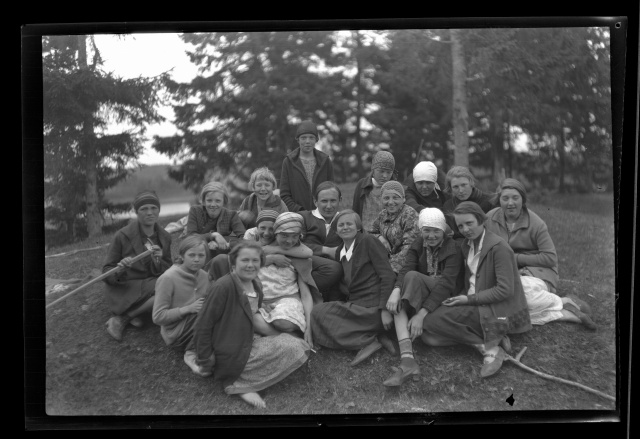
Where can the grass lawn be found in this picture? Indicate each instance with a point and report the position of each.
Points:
(89, 373)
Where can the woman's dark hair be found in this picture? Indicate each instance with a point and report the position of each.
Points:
(324, 186)
(241, 244)
(339, 215)
(472, 208)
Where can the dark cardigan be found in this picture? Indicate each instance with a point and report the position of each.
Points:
(416, 200)
(228, 224)
(294, 186)
(123, 289)
(223, 331)
(498, 290)
(315, 234)
(450, 265)
(372, 278)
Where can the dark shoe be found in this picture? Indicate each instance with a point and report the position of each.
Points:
(137, 322)
(366, 352)
(116, 325)
(584, 318)
(402, 374)
(489, 369)
(581, 304)
(387, 344)
(505, 343)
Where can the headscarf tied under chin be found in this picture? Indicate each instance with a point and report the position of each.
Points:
(288, 222)
(426, 171)
(512, 183)
(432, 217)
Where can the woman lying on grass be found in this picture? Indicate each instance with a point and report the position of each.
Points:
(130, 292)
(180, 293)
(433, 271)
(368, 280)
(224, 338)
(528, 236)
(494, 303)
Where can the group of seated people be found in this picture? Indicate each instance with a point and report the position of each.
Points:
(254, 291)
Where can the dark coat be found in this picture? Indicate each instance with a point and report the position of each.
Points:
(498, 290)
(315, 233)
(482, 199)
(372, 278)
(125, 288)
(223, 331)
(250, 203)
(363, 188)
(530, 241)
(294, 186)
(418, 201)
(228, 224)
(450, 265)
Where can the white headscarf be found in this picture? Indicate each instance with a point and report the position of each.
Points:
(432, 217)
(426, 171)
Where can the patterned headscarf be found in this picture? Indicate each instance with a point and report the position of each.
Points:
(288, 222)
(426, 171)
(393, 186)
(146, 197)
(432, 217)
(383, 160)
(267, 215)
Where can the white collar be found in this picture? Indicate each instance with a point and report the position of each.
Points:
(318, 215)
(347, 253)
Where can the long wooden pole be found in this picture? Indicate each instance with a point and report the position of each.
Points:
(517, 362)
(102, 276)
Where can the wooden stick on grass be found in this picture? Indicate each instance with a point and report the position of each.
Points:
(102, 276)
(517, 362)
(77, 251)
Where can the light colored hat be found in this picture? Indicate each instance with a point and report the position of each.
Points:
(432, 217)
(288, 222)
(426, 171)
(383, 160)
(393, 186)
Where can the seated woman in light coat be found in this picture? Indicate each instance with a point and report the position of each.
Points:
(528, 236)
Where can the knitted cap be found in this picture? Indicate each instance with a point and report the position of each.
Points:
(266, 215)
(512, 183)
(214, 186)
(425, 171)
(393, 186)
(288, 222)
(432, 217)
(307, 127)
(145, 197)
(383, 160)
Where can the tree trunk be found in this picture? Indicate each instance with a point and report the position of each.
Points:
(498, 145)
(360, 104)
(460, 114)
(560, 148)
(94, 218)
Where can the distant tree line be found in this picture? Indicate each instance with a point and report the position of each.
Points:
(450, 96)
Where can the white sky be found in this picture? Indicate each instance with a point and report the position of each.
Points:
(148, 54)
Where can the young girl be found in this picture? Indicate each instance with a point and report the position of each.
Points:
(262, 183)
(245, 363)
(180, 293)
